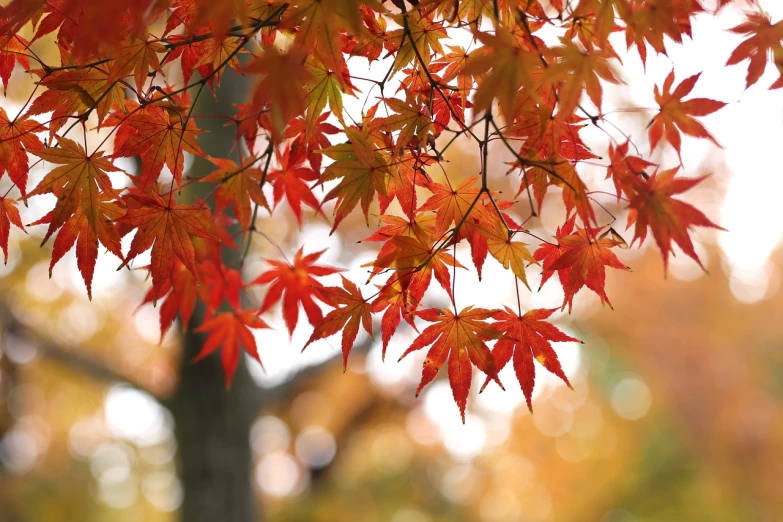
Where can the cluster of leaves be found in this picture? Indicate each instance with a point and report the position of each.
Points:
(530, 81)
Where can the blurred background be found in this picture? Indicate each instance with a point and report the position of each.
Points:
(677, 412)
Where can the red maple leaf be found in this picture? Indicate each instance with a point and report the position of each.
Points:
(161, 135)
(669, 219)
(460, 339)
(16, 137)
(296, 284)
(167, 228)
(585, 257)
(231, 331)
(289, 181)
(9, 214)
(676, 115)
(527, 337)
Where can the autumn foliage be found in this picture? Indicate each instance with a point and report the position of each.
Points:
(529, 82)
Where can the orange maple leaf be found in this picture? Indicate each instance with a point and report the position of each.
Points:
(575, 71)
(460, 338)
(453, 204)
(137, 55)
(237, 186)
(412, 120)
(362, 172)
(416, 262)
(355, 312)
(75, 91)
(79, 182)
(501, 71)
(622, 167)
(289, 180)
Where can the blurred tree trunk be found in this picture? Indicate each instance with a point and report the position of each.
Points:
(212, 423)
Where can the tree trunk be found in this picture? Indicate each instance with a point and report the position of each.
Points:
(213, 432)
(212, 423)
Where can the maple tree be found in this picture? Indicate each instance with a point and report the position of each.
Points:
(524, 76)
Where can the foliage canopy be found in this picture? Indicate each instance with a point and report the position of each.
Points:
(530, 81)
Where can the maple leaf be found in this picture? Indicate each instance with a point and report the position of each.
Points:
(420, 226)
(576, 71)
(325, 86)
(547, 253)
(189, 53)
(13, 49)
(649, 22)
(511, 254)
(563, 174)
(372, 47)
(357, 311)
(452, 205)
(417, 262)
(248, 122)
(75, 91)
(237, 186)
(319, 24)
(216, 55)
(623, 167)
(290, 179)
(546, 137)
(296, 284)
(179, 292)
(676, 115)
(280, 87)
(167, 228)
(79, 182)
(527, 337)
(763, 43)
(425, 36)
(586, 257)
(160, 135)
(460, 339)
(501, 71)
(669, 219)
(9, 214)
(223, 284)
(78, 231)
(311, 138)
(138, 55)
(16, 136)
(362, 172)
(231, 332)
(412, 121)
(398, 304)
(459, 65)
